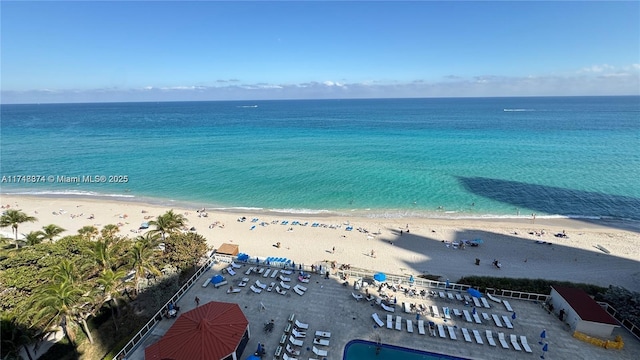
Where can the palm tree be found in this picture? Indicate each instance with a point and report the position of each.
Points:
(168, 223)
(109, 230)
(34, 237)
(107, 252)
(50, 231)
(111, 283)
(88, 232)
(142, 256)
(14, 218)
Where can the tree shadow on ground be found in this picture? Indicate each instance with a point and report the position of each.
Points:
(593, 207)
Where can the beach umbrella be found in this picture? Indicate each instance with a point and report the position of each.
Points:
(380, 277)
(473, 292)
(253, 357)
(545, 348)
(217, 279)
(411, 279)
(543, 335)
(513, 316)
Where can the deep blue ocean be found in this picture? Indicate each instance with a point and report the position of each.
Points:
(463, 157)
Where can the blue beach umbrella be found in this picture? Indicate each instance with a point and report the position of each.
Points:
(543, 335)
(380, 277)
(217, 279)
(473, 292)
(545, 348)
(411, 279)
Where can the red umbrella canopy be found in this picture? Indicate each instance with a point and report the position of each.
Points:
(210, 331)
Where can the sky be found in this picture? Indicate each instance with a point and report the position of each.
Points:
(88, 51)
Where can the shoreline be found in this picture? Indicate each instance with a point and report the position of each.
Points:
(527, 249)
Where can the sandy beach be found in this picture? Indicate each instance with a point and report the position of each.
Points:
(524, 247)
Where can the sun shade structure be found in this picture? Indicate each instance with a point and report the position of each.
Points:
(228, 249)
(215, 330)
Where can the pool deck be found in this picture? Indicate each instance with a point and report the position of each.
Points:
(329, 306)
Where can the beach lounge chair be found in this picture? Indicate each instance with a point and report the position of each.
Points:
(234, 291)
(485, 303)
(278, 352)
(490, 338)
(321, 342)
(222, 283)
(244, 282)
(493, 298)
(293, 351)
(507, 306)
(441, 294)
(376, 318)
(466, 335)
(476, 334)
(421, 327)
(496, 320)
(301, 325)
(249, 270)
(476, 318)
(514, 342)
(283, 278)
(467, 298)
(406, 307)
(452, 333)
(300, 288)
(450, 296)
(441, 331)
(287, 329)
(458, 297)
(319, 352)
(231, 271)
(256, 290)
(457, 312)
(476, 302)
(503, 341)
(387, 308)
(286, 272)
(235, 266)
(260, 271)
(486, 316)
(298, 291)
(271, 286)
(261, 285)
(298, 334)
(434, 311)
(206, 282)
(446, 313)
(389, 321)
(432, 328)
(291, 317)
(303, 279)
(525, 343)
(324, 334)
(274, 273)
(467, 316)
(287, 357)
(507, 322)
(398, 322)
(280, 291)
(409, 326)
(357, 297)
(266, 273)
(294, 341)
(285, 286)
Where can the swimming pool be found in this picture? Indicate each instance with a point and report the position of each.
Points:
(365, 350)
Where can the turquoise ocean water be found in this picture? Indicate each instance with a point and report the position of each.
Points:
(491, 157)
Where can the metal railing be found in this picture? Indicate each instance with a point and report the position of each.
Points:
(140, 335)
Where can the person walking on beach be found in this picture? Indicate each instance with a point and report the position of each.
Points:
(197, 301)
(333, 251)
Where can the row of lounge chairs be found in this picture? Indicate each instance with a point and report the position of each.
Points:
(443, 331)
(294, 334)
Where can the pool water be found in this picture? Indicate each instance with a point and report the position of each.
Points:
(366, 350)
